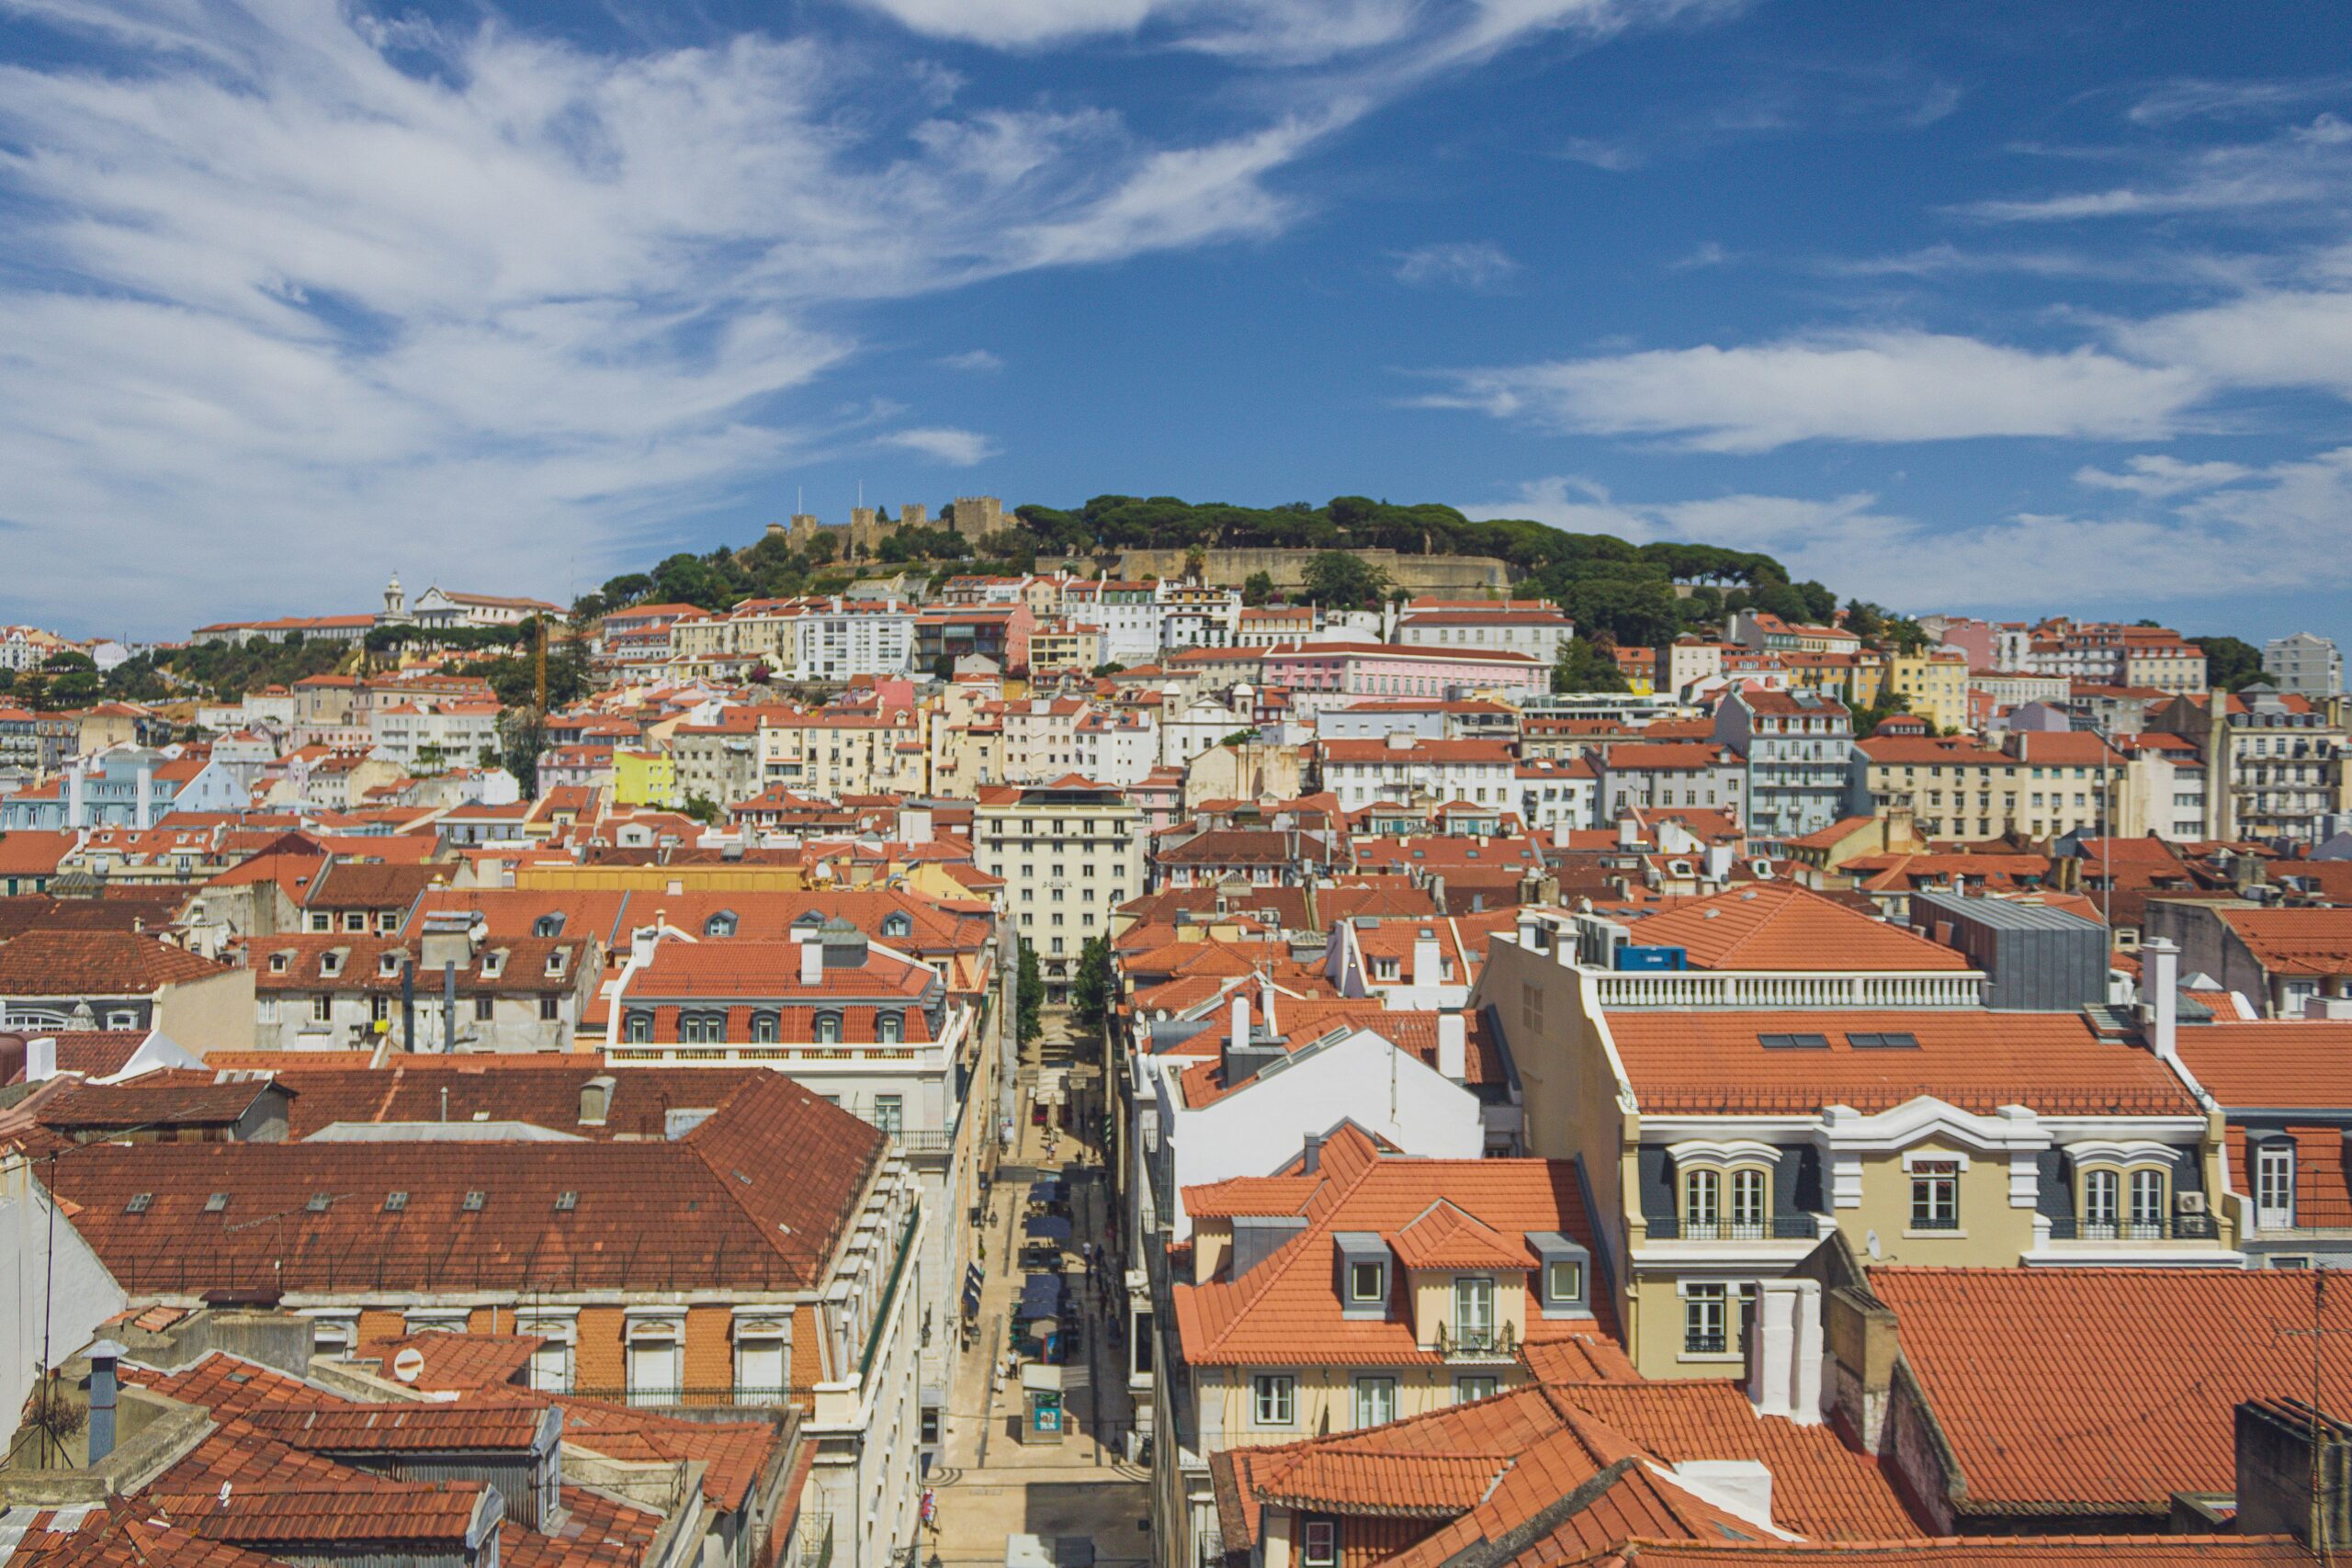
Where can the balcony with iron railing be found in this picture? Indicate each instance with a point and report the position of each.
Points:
(2177, 1227)
(715, 1396)
(1494, 1342)
(1771, 1227)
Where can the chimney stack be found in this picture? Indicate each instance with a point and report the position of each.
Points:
(1453, 1047)
(2294, 1473)
(40, 1058)
(145, 816)
(812, 960)
(1425, 959)
(1784, 1342)
(105, 1384)
(2160, 993)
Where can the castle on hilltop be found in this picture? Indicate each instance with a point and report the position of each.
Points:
(972, 516)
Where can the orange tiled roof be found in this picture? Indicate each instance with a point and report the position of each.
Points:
(2106, 1389)
(1287, 1310)
(1783, 927)
(1699, 1063)
(2305, 1064)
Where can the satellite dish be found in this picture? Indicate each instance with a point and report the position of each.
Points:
(408, 1365)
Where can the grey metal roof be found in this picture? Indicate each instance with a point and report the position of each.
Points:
(2006, 914)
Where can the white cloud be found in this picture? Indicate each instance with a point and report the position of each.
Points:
(2155, 476)
(1613, 156)
(978, 361)
(2282, 338)
(2301, 166)
(296, 297)
(1472, 264)
(1876, 387)
(2278, 531)
(960, 448)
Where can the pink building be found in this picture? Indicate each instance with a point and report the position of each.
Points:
(1386, 670)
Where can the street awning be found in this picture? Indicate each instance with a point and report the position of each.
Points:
(1046, 1227)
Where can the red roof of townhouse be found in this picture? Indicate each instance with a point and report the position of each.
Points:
(2098, 1391)
(1677, 755)
(1285, 1309)
(1783, 927)
(1703, 1063)
(2306, 941)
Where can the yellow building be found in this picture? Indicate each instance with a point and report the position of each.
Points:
(645, 778)
(1064, 645)
(1722, 1136)
(1936, 682)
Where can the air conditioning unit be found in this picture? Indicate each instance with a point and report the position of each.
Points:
(2190, 1202)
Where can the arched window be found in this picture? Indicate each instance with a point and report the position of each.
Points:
(896, 925)
(2102, 1197)
(828, 1029)
(640, 1029)
(889, 1027)
(722, 924)
(1701, 1197)
(763, 1029)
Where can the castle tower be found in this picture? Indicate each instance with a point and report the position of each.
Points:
(914, 515)
(977, 516)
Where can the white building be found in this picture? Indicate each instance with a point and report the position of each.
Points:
(1530, 626)
(851, 638)
(1119, 748)
(425, 736)
(1401, 770)
(2306, 664)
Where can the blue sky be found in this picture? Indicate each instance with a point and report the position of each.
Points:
(2008, 308)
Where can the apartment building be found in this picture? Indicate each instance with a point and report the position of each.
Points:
(1535, 627)
(1354, 1286)
(1795, 746)
(450, 988)
(1403, 771)
(1809, 1072)
(2281, 774)
(1069, 853)
(762, 1250)
(833, 752)
(2305, 664)
(1934, 683)
(426, 736)
(1663, 774)
(2039, 785)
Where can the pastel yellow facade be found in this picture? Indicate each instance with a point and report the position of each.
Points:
(645, 779)
(1936, 682)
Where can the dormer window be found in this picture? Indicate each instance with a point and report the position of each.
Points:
(889, 1027)
(763, 1029)
(828, 1029)
(493, 964)
(722, 924)
(896, 925)
(331, 964)
(389, 964)
(639, 1031)
(278, 962)
(1563, 1274)
(555, 962)
(1366, 1273)
(547, 927)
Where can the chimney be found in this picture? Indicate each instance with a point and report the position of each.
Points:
(77, 800)
(1453, 1047)
(643, 940)
(105, 1383)
(596, 1100)
(2294, 1472)
(1560, 834)
(1425, 958)
(40, 1058)
(1785, 1350)
(812, 960)
(2160, 993)
(1629, 832)
(145, 816)
(1240, 1021)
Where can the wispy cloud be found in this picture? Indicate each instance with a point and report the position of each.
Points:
(2195, 99)
(1870, 387)
(1614, 156)
(1474, 265)
(481, 302)
(946, 443)
(2303, 165)
(2155, 476)
(2272, 530)
(978, 361)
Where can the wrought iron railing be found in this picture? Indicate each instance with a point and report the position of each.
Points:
(1773, 1227)
(1455, 1342)
(700, 1396)
(2178, 1227)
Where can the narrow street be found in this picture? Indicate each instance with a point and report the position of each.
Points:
(993, 1485)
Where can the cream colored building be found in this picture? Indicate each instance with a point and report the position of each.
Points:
(1728, 1120)
(833, 753)
(1069, 853)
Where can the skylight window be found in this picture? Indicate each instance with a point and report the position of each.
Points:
(1793, 1042)
(1899, 1040)
(395, 1201)
(215, 1204)
(138, 1203)
(474, 1201)
(318, 1202)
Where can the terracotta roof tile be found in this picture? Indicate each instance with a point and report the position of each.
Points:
(1702, 1062)
(2106, 1389)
